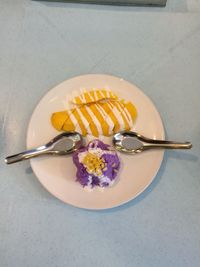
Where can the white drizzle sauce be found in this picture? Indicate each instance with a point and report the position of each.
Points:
(95, 95)
(96, 122)
(118, 115)
(90, 95)
(122, 112)
(85, 122)
(74, 121)
(107, 94)
(108, 119)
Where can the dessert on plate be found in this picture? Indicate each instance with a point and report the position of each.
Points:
(97, 165)
(96, 112)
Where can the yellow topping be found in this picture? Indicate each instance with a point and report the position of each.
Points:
(94, 164)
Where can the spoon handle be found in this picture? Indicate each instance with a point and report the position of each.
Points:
(167, 145)
(26, 155)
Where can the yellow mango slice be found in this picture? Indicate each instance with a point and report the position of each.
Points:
(126, 113)
(101, 119)
(77, 100)
(104, 92)
(132, 110)
(112, 115)
(92, 95)
(122, 112)
(69, 125)
(58, 119)
(80, 122)
(92, 126)
(88, 98)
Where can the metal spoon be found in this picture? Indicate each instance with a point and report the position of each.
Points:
(132, 142)
(62, 144)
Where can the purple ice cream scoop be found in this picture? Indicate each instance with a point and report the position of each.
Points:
(97, 164)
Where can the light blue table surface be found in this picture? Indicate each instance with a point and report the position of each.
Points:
(158, 49)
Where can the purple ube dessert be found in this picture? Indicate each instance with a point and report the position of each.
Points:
(97, 164)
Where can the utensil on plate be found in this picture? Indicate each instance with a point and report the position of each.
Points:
(62, 144)
(124, 141)
(132, 142)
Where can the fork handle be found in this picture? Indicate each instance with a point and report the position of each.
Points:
(26, 155)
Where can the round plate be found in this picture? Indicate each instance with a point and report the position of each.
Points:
(58, 174)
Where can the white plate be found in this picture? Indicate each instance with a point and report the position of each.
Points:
(57, 174)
